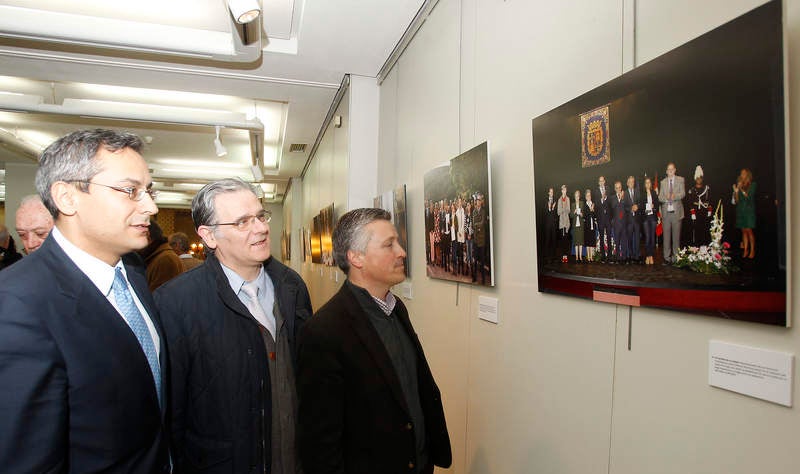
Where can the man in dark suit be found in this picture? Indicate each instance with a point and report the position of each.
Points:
(634, 194)
(620, 218)
(231, 326)
(82, 354)
(603, 217)
(368, 401)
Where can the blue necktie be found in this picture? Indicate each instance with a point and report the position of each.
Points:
(138, 326)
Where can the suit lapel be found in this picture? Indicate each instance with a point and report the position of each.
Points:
(91, 311)
(369, 337)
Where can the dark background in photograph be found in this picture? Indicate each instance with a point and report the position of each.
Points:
(717, 101)
(465, 176)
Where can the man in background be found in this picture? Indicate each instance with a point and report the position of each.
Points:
(82, 354)
(231, 326)
(33, 222)
(179, 242)
(159, 258)
(670, 195)
(8, 249)
(368, 400)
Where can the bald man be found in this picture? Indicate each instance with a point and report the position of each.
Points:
(34, 222)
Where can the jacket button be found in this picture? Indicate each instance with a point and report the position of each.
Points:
(411, 465)
(409, 426)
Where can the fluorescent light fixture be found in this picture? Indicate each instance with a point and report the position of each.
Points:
(219, 149)
(197, 163)
(268, 187)
(244, 11)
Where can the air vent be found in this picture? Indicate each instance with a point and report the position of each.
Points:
(297, 147)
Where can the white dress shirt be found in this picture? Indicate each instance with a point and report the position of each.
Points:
(102, 275)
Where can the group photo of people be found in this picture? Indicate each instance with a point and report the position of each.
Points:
(457, 219)
(648, 220)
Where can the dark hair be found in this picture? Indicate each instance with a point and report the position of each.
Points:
(73, 158)
(180, 241)
(349, 233)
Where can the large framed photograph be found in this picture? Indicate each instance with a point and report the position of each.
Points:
(394, 202)
(667, 185)
(315, 241)
(458, 224)
(327, 223)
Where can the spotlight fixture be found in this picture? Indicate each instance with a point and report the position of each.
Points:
(244, 11)
(218, 147)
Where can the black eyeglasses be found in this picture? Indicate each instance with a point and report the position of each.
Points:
(245, 222)
(134, 194)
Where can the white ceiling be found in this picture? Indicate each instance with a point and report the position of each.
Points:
(106, 58)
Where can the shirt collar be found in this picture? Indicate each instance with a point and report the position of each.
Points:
(98, 271)
(237, 281)
(386, 306)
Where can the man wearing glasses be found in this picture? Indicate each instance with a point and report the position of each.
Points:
(231, 326)
(82, 353)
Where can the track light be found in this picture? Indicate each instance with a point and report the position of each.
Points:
(218, 147)
(244, 11)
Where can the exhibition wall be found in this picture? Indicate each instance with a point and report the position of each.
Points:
(558, 385)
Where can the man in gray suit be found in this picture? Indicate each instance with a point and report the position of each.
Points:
(670, 194)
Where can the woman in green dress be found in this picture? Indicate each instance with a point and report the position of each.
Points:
(744, 192)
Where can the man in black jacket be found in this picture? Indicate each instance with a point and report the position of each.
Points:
(368, 401)
(231, 326)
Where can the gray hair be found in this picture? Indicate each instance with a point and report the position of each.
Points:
(180, 241)
(72, 158)
(30, 199)
(203, 212)
(349, 233)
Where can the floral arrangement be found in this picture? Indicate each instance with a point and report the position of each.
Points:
(711, 258)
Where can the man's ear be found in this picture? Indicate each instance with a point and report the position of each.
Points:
(207, 234)
(355, 259)
(65, 196)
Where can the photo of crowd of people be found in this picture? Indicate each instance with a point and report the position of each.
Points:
(458, 233)
(668, 182)
(625, 221)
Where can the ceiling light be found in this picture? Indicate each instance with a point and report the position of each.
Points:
(218, 148)
(244, 11)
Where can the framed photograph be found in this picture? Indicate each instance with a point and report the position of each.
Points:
(394, 202)
(327, 223)
(458, 226)
(315, 241)
(687, 209)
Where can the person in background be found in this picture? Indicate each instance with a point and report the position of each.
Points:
(700, 210)
(82, 353)
(589, 226)
(670, 194)
(33, 222)
(8, 249)
(159, 258)
(231, 325)
(576, 219)
(368, 401)
(603, 212)
(621, 214)
(634, 231)
(179, 242)
(480, 227)
(744, 192)
(650, 212)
